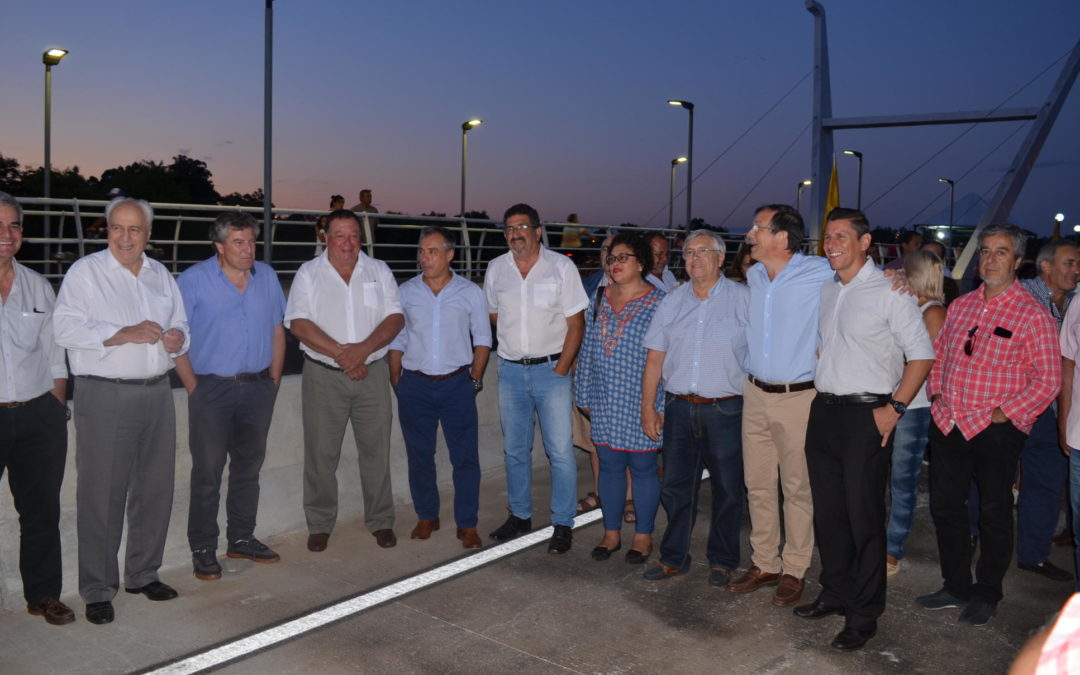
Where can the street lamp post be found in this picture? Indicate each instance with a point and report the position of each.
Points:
(465, 154)
(952, 202)
(50, 58)
(671, 198)
(689, 157)
(857, 155)
(1058, 219)
(798, 192)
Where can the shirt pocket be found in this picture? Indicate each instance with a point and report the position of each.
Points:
(27, 329)
(545, 295)
(995, 350)
(372, 294)
(161, 310)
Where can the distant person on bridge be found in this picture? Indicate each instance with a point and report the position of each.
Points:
(437, 365)
(344, 309)
(537, 303)
(121, 317)
(909, 241)
(231, 373)
(337, 202)
(33, 418)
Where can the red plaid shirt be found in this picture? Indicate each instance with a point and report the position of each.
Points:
(1015, 362)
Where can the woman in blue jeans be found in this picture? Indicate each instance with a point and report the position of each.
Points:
(925, 276)
(608, 388)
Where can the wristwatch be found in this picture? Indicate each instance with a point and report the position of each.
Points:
(899, 407)
(477, 385)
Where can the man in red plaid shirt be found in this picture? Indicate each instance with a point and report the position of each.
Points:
(998, 367)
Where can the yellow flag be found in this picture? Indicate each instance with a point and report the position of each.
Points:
(832, 201)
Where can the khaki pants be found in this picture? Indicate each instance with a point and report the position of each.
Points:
(774, 438)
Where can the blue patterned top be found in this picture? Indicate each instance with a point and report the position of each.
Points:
(609, 370)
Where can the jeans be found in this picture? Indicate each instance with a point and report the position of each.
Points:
(527, 392)
(1074, 503)
(646, 481)
(1043, 474)
(699, 436)
(909, 446)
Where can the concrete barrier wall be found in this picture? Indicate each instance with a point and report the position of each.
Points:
(280, 503)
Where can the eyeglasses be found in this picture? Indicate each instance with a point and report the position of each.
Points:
(761, 228)
(969, 346)
(621, 258)
(692, 252)
(517, 228)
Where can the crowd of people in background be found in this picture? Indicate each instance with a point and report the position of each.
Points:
(809, 386)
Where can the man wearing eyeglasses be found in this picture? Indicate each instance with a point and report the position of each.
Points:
(998, 367)
(537, 303)
(697, 343)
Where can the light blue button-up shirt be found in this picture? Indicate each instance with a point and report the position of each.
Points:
(441, 330)
(783, 330)
(231, 332)
(704, 341)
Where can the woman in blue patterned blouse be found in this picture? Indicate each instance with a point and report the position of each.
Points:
(608, 388)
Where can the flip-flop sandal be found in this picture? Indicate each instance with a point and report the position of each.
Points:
(589, 502)
(629, 514)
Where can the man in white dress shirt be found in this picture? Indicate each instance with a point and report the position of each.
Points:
(661, 276)
(33, 418)
(344, 309)
(121, 318)
(537, 303)
(874, 354)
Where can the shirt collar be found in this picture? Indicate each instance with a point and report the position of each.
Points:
(111, 263)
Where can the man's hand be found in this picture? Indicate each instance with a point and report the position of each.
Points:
(652, 423)
(353, 355)
(357, 372)
(899, 281)
(173, 340)
(885, 418)
(145, 333)
(997, 417)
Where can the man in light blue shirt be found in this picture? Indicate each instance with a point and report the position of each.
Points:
(785, 294)
(231, 373)
(437, 368)
(697, 344)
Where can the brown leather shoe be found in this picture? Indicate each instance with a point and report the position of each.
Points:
(469, 537)
(385, 538)
(54, 611)
(752, 580)
(424, 528)
(317, 542)
(789, 591)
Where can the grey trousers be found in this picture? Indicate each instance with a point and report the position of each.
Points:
(125, 454)
(330, 401)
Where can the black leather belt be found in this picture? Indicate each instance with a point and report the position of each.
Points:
(320, 363)
(145, 382)
(263, 374)
(853, 399)
(694, 398)
(19, 404)
(437, 378)
(533, 360)
(771, 388)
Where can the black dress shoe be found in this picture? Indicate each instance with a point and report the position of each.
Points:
(1048, 570)
(155, 590)
(513, 527)
(561, 540)
(601, 553)
(636, 557)
(850, 639)
(817, 609)
(100, 612)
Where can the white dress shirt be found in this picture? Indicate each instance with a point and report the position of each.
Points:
(100, 296)
(348, 313)
(665, 282)
(533, 311)
(441, 330)
(866, 331)
(29, 357)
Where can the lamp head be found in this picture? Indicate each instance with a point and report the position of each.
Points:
(51, 57)
(678, 160)
(946, 180)
(1059, 217)
(682, 104)
(475, 122)
(806, 183)
(854, 153)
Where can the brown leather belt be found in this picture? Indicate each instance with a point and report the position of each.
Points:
(694, 398)
(437, 378)
(19, 404)
(771, 388)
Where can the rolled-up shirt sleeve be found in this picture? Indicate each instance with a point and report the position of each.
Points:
(1043, 373)
(299, 302)
(479, 320)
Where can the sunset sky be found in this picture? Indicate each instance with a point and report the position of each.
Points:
(373, 94)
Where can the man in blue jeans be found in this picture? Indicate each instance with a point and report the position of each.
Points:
(697, 343)
(537, 303)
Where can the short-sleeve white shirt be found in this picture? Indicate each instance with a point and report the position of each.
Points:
(30, 359)
(348, 313)
(532, 311)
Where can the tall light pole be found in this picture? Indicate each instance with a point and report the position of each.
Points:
(1058, 219)
(671, 198)
(50, 58)
(798, 191)
(689, 156)
(465, 126)
(857, 155)
(952, 202)
(268, 131)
